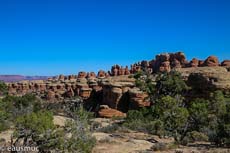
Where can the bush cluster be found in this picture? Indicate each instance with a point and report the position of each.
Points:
(174, 113)
(33, 125)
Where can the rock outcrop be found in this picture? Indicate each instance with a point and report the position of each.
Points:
(216, 78)
(166, 62)
(137, 99)
(114, 91)
(194, 63)
(106, 112)
(117, 70)
(211, 61)
(226, 63)
(117, 89)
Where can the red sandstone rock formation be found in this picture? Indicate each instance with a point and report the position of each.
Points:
(71, 77)
(201, 63)
(101, 74)
(175, 64)
(135, 68)
(194, 63)
(85, 93)
(137, 99)
(127, 72)
(112, 95)
(162, 63)
(107, 112)
(82, 75)
(180, 58)
(226, 63)
(61, 77)
(91, 75)
(113, 91)
(211, 61)
(117, 70)
(70, 93)
(165, 67)
(166, 62)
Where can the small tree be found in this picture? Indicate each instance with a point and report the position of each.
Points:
(171, 84)
(4, 124)
(36, 130)
(17, 106)
(217, 103)
(3, 88)
(198, 114)
(168, 110)
(80, 139)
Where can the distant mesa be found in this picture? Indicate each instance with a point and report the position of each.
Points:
(16, 78)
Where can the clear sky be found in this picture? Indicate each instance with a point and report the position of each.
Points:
(50, 37)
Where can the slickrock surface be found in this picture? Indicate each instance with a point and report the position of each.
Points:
(213, 77)
(137, 142)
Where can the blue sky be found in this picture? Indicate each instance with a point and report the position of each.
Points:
(50, 37)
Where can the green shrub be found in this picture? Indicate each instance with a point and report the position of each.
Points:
(4, 124)
(37, 129)
(134, 115)
(12, 107)
(37, 123)
(171, 84)
(159, 147)
(197, 136)
(81, 139)
(3, 88)
(110, 129)
(18, 106)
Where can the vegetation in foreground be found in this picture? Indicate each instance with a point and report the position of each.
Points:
(174, 113)
(33, 125)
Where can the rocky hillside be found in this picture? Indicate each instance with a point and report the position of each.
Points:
(117, 87)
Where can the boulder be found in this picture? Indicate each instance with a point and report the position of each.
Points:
(226, 63)
(110, 113)
(180, 57)
(194, 63)
(211, 61)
